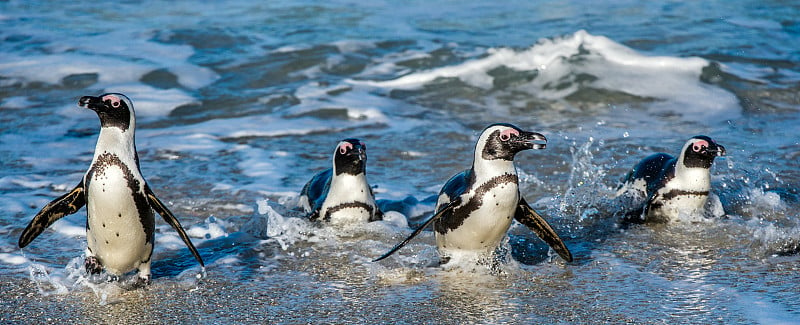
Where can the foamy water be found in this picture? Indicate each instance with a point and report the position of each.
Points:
(239, 104)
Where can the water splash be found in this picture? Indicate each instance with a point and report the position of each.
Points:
(586, 187)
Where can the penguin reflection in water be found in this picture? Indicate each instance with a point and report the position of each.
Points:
(341, 194)
(475, 207)
(119, 203)
(661, 187)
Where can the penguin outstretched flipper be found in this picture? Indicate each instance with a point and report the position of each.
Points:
(64, 205)
(536, 223)
(477, 206)
(162, 210)
(447, 209)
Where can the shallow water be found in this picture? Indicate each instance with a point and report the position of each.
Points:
(238, 105)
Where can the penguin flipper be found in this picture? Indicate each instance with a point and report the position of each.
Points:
(416, 232)
(64, 205)
(533, 220)
(315, 192)
(162, 210)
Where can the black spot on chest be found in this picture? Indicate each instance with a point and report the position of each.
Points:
(98, 170)
(455, 218)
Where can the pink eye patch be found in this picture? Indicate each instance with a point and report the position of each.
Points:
(699, 145)
(506, 134)
(114, 100)
(344, 147)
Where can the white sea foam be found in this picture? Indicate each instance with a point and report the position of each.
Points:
(52, 68)
(673, 81)
(13, 259)
(113, 60)
(211, 228)
(15, 102)
(66, 227)
(255, 126)
(288, 231)
(149, 101)
(261, 163)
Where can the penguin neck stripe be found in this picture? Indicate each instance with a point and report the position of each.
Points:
(338, 207)
(675, 193)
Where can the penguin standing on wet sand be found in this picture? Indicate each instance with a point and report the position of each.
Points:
(119, 203)
(662, 187)
(341, 194)
(476, 207)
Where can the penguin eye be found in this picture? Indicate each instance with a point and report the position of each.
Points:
(698, 147)
(505, 137)
(115, 104)
(342, 150)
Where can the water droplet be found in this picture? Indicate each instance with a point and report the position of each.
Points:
(626, 134)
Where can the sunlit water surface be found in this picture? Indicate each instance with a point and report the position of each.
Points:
(238, 104)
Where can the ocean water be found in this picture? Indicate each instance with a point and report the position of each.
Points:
(239, 104)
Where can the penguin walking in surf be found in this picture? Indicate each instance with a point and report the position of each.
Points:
(119, 204)
(662, 187)
(341, 194)
(476, 207)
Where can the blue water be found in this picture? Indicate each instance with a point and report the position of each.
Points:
(239, 104)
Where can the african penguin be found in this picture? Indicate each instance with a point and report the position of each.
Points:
(662, 187)
(341, 194)
(119, 203)
(475, 207)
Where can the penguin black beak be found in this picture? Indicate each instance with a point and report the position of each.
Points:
(91, 102)
(532, 140)
(719, 151)
(358, 153)
(361, 152)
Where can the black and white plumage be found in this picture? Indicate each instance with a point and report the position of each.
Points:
(341, 194)
(662, 187)
(119, 204)
(475, 207)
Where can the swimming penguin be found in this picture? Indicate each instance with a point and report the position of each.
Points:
(341, 194)
(119, 203)
(475, 207)
(661, 187)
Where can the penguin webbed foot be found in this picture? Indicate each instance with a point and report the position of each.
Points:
(92, 265)
(143, 280)
(634, 217)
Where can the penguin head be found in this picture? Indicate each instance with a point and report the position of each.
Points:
(700, 151)
(350, 157)
(114, 110)
(503, 141)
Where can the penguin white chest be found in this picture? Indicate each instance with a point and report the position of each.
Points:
(686, 194)
(484, 226)
(115, 228)
(349, 200)
(672, 204)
